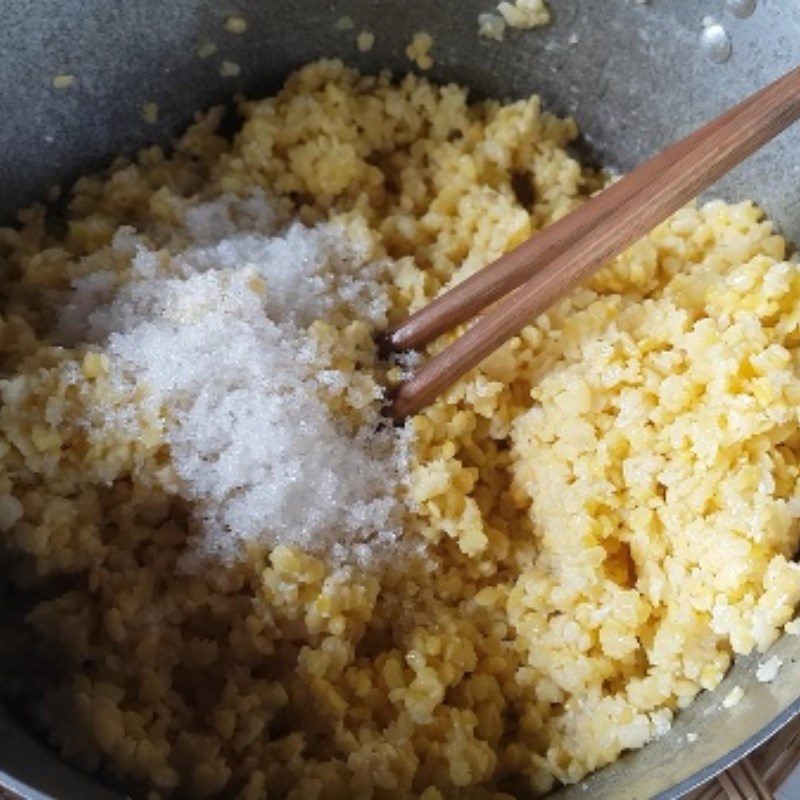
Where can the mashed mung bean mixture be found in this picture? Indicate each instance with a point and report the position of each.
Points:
(241, 582)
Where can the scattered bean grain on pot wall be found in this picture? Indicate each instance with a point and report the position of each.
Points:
(523, 14)
(419, 48)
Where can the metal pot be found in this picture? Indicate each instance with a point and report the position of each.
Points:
(634, 74)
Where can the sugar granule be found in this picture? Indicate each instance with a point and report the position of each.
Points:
(218, 337)
(733, 697)
(767, 670)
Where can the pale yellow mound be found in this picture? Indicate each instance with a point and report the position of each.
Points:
(610, 501)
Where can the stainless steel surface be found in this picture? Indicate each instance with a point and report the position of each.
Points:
(635, 76)
(32, 772)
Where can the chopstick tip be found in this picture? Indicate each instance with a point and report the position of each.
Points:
(389, 408)
(384, 344)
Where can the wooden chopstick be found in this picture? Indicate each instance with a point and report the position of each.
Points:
(584, 240)
(512, 269)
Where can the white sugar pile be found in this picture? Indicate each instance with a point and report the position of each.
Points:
(217, 334)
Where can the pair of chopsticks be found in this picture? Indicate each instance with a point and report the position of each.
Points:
(549, 264)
